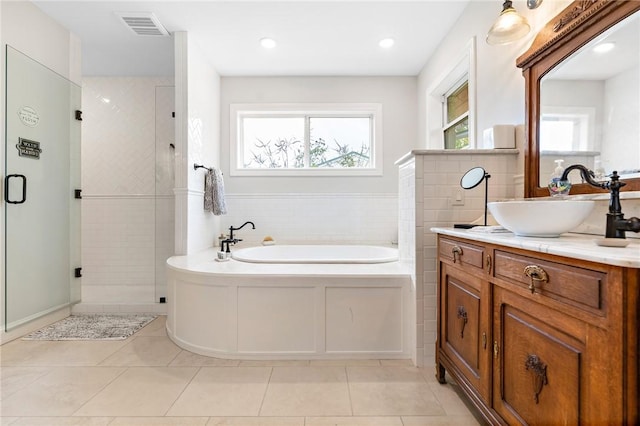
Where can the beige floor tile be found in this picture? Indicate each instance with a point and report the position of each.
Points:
(353, 421)
(145, 351)
(63, 421)
(157, 327)
(140, 391)
(393, 399)
(396, 363)
(223, 391)
(13, 379)
(8, 421)
(57, 353)
(159, 421)
(344, 362)
(358, 374)
(274, 363)
(59, 393)
(189, 359)
(256, 421)
(307, 391)
(439, 421)
(449, 399)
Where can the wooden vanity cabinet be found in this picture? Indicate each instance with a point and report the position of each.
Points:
(561, 335)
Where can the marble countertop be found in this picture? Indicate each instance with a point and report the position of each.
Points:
(577, 246)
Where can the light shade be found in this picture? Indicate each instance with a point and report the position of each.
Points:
(510, 26)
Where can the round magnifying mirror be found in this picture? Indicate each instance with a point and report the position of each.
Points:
(473, 178)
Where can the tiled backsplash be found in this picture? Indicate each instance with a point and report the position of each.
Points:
(314, 218)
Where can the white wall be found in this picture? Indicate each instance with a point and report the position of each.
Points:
(337, 209)
(621, 121)
(197, 141)
(500, 85)
(24, 27)
(396, 94)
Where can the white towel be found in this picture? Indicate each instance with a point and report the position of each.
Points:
(214, 193)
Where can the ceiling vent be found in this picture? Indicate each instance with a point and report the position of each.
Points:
(143, 23)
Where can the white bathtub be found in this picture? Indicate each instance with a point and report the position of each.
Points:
(316, 254)
(244, 310)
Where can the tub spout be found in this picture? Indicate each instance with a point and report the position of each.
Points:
(231, 229)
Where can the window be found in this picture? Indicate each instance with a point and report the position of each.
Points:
(306, 139)
(567, 129)
(450, 104)
(456, 113)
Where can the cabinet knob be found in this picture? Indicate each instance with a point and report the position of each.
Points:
(496, 349)
(456, 250)
(535, 274)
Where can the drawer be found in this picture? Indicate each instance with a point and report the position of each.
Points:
(576, 286)
(464, 254)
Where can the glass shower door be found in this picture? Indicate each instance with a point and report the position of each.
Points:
(42, 154)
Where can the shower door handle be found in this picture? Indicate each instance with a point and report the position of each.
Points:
(24, 189)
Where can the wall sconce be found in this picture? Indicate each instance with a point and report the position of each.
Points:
(510, 25)
(470, 180)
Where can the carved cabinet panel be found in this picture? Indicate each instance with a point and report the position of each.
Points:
(537, 368)
(464, 333)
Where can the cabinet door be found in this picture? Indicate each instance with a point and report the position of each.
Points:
(463, 328)
(537, 377)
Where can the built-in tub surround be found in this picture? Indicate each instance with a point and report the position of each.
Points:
(245, 310)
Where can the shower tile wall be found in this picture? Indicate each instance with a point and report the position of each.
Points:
(127, 182)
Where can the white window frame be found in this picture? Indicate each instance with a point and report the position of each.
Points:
(239, 111)
(462, 68)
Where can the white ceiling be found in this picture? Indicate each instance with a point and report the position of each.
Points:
(319, 38)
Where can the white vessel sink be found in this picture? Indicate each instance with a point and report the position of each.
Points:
(541, 218)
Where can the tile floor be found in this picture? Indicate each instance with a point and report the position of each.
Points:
(148, 380)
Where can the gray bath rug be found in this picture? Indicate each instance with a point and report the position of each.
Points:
(92, 327)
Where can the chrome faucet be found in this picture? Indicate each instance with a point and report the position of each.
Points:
(229, 241)
(617, 225)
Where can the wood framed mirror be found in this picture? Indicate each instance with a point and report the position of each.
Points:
(580, 107)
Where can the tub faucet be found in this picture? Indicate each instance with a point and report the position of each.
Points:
(617, 225)
(229, 241)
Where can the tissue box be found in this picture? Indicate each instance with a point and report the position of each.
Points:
(499, 136)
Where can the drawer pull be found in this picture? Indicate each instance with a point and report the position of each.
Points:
(484, 340)
(496, 349)
(535, 274)
(456, 250)
(462, 317)
(538, 371)
(488, 263)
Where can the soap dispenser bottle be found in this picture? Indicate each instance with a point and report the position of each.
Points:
(558, 187)
(557, 172)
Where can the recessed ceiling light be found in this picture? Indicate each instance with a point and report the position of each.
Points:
(386, 43)
(604, 47)
(268, 43)
(105, 100)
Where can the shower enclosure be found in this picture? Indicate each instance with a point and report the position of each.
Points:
(42, 171)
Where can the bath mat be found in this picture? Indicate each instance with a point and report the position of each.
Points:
(92, 327)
